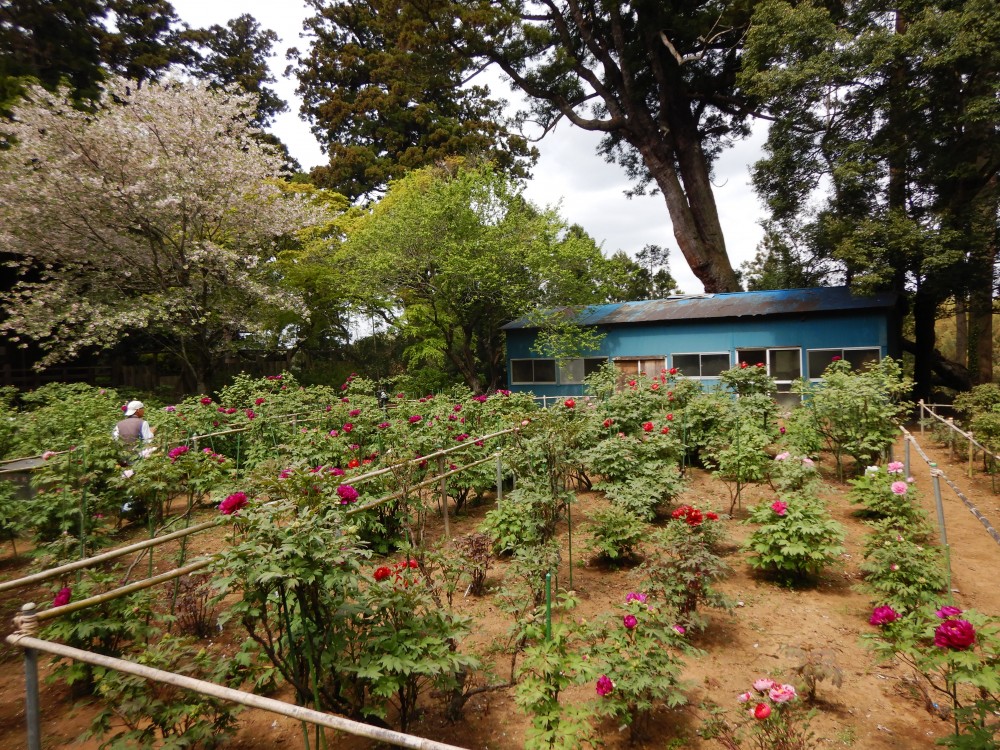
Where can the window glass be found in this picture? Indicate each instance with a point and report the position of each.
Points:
(592, 365)
(688, 364)
(820, 359)
(785, 364)
(571, 371)
(521, 371)
(751, 356)
(861, 357)
(545, 371)
(712, 365)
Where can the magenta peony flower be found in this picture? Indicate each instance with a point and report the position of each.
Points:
(957, 635)
(259, 401)
(948, 611)
(883, 615)
(177, 452)
(630, 622)
(779, 507)
(347, 494)
(206, 400)
(169, 409)
(680, 629)
(62, 598)
(604, 685)
(635, 596)
(233, 503)
(415, 418)
(899, 488)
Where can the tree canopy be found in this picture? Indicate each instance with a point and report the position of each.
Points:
(451, 254)
(157, 212)
(384, 81)
(884, 152)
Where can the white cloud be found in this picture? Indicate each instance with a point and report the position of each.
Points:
(589, 190)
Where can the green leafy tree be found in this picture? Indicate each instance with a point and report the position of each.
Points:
(386, 92)
(159, 213)
(883, 155)
(453, 253)
(657, 84)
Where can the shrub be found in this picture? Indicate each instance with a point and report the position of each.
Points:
(958, 655)
(682, 565)
(900, 570)
(771, 716)
(615, 532)
(884, 493)
(155, 714)
(633, 654)
(793, 539)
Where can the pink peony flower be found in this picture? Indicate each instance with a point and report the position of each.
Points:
(782, 456)
(48, 454)
(883, 615)
(635, 596)
(169, 409)
(63, 597)
(763, 684)
(744, 697)
(899, 488)
(680, 629)
(957, 635)
(948, 611)
(895, 467)
(779, 507)
(604, 685)
(781, 693)
(233, 503)
(630, 622)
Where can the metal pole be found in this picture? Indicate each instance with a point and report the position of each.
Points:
(569, 528)
(951, 438)
(921, 420)
(499, 479)
(27, 623)
(972, 452)
(444, 497)
(936, 475)
(906, 455)
(548, 606)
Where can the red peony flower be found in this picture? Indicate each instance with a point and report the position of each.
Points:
(382, 572)
(647, 426)
(761, 711)
(569, 403)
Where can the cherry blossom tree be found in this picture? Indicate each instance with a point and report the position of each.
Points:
(157, 212)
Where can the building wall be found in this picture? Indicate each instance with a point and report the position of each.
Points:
(826, 331)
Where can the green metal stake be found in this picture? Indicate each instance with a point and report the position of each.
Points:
(569, 527)
(548, 606)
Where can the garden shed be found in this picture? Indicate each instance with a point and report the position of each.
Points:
(793, 332)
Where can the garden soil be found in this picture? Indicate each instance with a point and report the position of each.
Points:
(879, 706)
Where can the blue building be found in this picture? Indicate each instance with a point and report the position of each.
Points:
(794, 332)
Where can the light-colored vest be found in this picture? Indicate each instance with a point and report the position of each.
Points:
(130, 430)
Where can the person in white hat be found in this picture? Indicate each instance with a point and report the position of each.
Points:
(134, 427)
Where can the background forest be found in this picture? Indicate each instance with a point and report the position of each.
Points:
(147, 215)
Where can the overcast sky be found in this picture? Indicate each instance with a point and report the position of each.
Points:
(589, 191)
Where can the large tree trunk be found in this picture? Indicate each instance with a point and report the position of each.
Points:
(961, 331)
(924, 317)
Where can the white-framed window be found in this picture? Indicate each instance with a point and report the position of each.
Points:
(702, 364)
(527, 371)
(575, 370)
(784, 364)
(817, 360)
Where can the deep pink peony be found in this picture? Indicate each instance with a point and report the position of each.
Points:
(630, 622)
(233, 503)
(883, 615)
(63, 597)
(347, 494)
(604, 685)
(948, 611)
(761, 711)
(635, 596)
(779, 507)
(957, 635)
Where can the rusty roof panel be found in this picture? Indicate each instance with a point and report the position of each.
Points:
(730, 305)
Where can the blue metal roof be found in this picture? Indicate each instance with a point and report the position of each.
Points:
(729, 305)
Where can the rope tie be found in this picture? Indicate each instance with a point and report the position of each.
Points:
(26, 621)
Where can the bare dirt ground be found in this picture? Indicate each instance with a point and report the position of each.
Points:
(878, 706)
